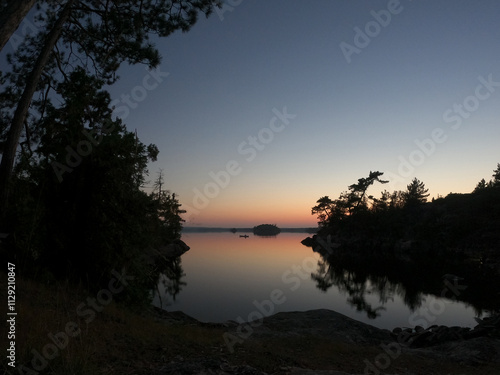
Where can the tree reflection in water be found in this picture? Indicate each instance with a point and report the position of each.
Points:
(361, 276)
(356, 286)
(169, 274)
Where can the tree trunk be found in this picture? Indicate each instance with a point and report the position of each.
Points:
(16, 127)
(11, 16)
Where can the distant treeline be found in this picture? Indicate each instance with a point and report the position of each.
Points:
(243, 230)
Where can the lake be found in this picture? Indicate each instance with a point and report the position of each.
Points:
(225, 277)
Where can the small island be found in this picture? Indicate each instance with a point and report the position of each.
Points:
(266, 230)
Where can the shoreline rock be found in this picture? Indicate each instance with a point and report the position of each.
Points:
(322, 323)
(357, 341)
(419, 337)
(461, 344)
(174, 249)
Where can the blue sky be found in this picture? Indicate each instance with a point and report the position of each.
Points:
(230, 73)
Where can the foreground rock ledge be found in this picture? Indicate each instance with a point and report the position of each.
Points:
(333, 326)
(321, 323)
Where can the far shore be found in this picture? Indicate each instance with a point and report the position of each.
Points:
(245, 230)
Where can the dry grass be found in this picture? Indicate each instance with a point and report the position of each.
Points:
(116, 341)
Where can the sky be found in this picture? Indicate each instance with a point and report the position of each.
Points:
(266, 106)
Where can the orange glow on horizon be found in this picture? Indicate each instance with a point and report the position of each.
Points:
(249, 214)
(284, 208)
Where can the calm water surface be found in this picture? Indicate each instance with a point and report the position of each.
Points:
(226, 277)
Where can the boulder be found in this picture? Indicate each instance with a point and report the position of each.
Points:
(174, 249)
(309, 242)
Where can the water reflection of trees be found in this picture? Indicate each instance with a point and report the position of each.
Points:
(359, 285)
(361, 276)
(169, 274)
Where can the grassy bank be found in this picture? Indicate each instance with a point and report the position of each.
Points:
(116, 341)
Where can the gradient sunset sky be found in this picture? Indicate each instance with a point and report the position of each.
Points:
(327, 91)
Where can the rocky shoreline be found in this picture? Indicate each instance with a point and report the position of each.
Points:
(367, 348)
(419, 337)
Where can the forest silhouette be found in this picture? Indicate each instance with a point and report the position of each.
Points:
(401, 244)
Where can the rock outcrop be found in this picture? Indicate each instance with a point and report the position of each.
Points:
(320, 323)
(174, 249)
(477, 346)
(419, 337)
